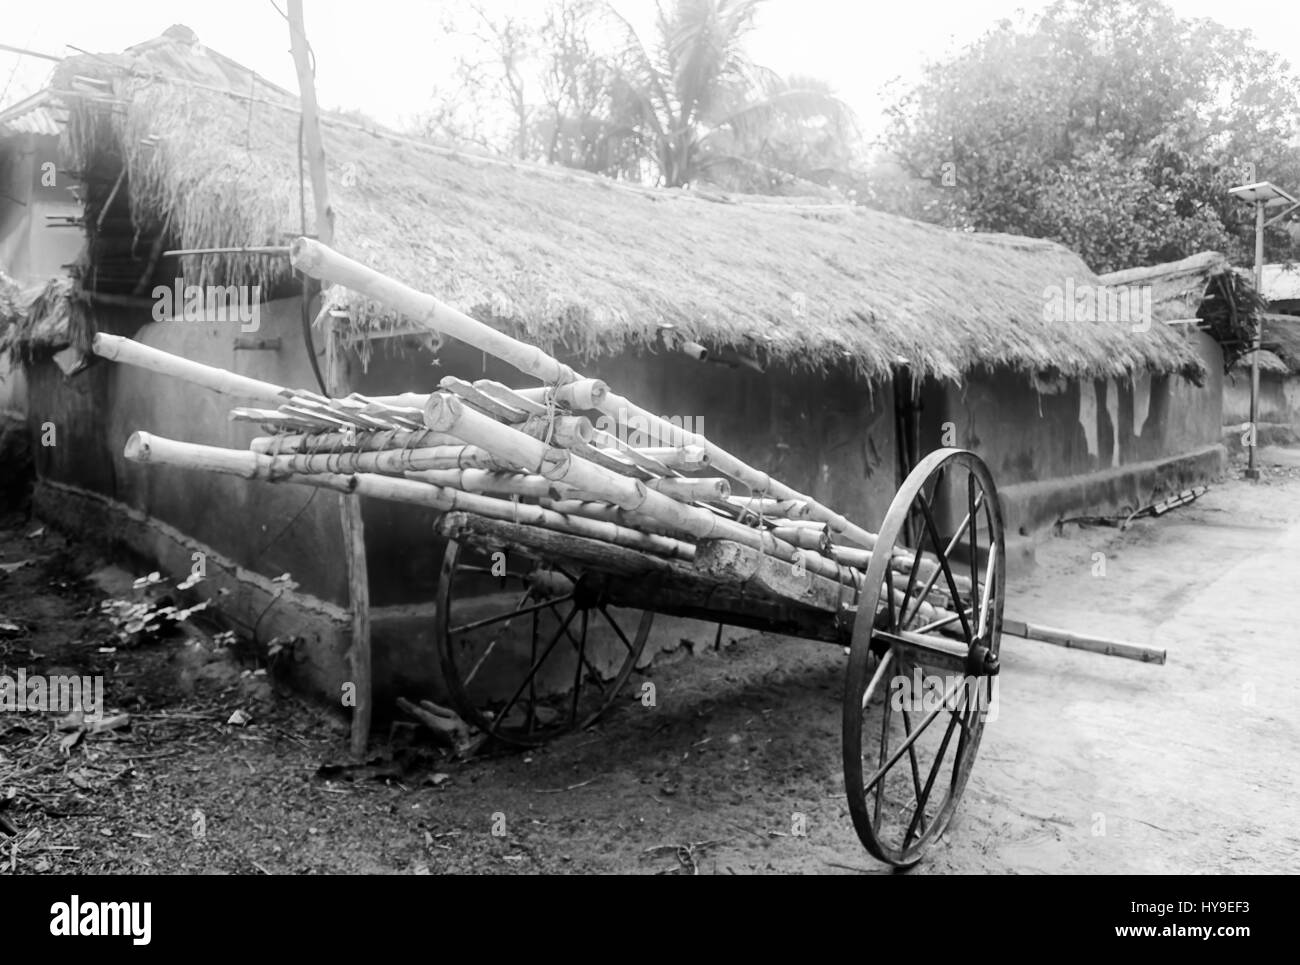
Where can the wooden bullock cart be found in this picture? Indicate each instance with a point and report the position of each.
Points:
(564, 542)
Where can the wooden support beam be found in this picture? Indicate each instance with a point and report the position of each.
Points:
(354, 540)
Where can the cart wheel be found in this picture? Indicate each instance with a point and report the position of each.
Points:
(519, 644)
(922, 668)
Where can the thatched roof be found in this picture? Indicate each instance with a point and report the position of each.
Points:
(1206, 288)
(563, 258)
(1281, 336)
(1268, 362)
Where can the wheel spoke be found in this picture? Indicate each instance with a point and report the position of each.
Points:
(591, 670)
(990, 577)
(532, 680)
(974, 540)
(885, 713)
(934, 574)
(911, 738)
(939, 624)
(532, 671)
(492, 645)
(916, 769)
(509, 614)
(577, 670)
(934, 769)
(947, 571)
(876, 678)
(617, 629)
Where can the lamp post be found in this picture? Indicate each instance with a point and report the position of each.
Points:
(1263, 195)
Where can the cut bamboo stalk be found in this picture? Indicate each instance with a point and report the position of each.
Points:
(274, 417)
(482, 400)
(446, 413)
(320, 261)
(575, 505)
(406, 400)
(359, 441)
(583, 395)
(129, 352)
(503, 393)
(804, 538)
(394, 462)
(687, 458)
(565, 431)
(768, 508)
(689, 490)
(144, 447)
(492, 483)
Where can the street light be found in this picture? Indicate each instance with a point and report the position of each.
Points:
(1262, 194)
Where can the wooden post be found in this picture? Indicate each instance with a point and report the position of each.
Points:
(354, 537)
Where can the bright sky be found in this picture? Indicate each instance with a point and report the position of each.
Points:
(384, 57)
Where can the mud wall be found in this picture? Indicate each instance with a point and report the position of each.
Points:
(80, 425)
(1279, 398)
(1032, 435)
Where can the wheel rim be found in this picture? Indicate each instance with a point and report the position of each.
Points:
(527, 650)
(922, 668)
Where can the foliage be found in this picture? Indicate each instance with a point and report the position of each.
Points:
(1114, 127)
(577, 86)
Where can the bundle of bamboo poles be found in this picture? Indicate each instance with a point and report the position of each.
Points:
(528, 456)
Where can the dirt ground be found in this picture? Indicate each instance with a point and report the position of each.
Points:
(1094, 764)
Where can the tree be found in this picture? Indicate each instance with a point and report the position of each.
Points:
(698, 104)
(1113, 126)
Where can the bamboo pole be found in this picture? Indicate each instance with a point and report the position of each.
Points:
(765, 507)
(492, 483)
(359, 441)
(688, 458)
(692, 489)
(320, 261)
(129, 352)
(583, 394)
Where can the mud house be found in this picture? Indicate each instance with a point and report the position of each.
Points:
(1112, 435)
(1279, 366)
(827, 343)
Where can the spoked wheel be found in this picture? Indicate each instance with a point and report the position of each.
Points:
(528, 650)
(922, 668)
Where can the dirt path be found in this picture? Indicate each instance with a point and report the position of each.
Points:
(1094, 764)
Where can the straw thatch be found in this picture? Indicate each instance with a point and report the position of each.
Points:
(565, 259)
(46, 320)
(1204, 287)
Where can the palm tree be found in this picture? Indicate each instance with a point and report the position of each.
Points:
(695, 100)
